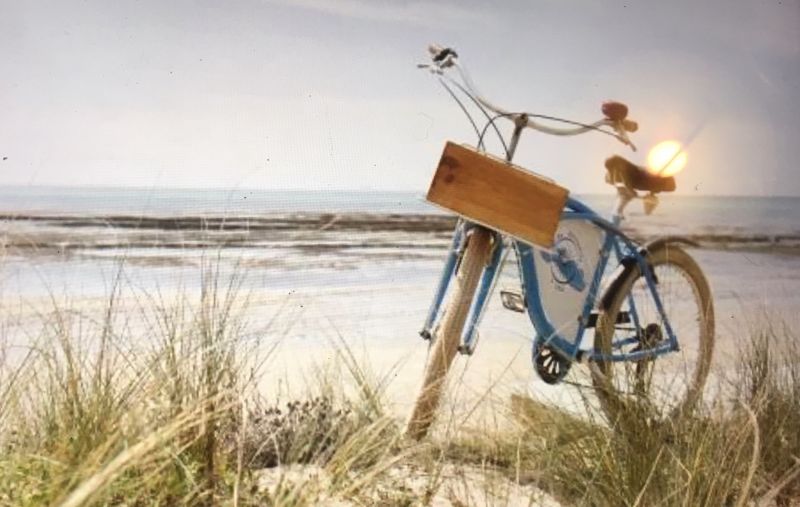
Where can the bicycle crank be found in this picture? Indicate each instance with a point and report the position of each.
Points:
(549, 364)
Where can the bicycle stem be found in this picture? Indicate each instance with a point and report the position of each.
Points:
(520, 122)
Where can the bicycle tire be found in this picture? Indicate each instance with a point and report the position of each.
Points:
(447, 336)
(662, 403)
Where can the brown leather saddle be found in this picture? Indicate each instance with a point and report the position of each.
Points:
(636, 177)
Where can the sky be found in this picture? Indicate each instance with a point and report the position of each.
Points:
(325, 95)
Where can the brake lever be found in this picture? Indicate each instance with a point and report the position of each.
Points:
(443, 57)
(433, 69)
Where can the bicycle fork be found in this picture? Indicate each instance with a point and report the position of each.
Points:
(453, 256)
(469, 334)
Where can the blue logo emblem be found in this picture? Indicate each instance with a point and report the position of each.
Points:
(565, 263)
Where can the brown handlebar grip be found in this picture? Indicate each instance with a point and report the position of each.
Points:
(630, 125)
(613, 110)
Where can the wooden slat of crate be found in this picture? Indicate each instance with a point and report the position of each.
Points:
(492, 192)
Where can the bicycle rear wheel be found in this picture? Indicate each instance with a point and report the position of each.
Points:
(669, 385)
(447, 335)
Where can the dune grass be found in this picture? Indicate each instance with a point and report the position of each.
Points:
(156, 404)
(153, 400)
(743, 450)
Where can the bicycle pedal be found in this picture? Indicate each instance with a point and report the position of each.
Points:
(512, 301)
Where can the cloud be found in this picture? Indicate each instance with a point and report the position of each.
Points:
(422, 13)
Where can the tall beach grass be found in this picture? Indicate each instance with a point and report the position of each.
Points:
(151, 399)
(154, 399)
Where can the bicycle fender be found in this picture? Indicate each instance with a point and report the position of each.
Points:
(629, 263)
(670, 240)
(620, 274)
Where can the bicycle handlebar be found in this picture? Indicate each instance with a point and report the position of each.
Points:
(444, 58)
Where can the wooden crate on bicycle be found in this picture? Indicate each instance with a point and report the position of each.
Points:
(494, 193)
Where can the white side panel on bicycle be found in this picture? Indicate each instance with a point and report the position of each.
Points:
(504, 197)
(565, 273)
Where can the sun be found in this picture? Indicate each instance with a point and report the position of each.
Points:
(666, 158)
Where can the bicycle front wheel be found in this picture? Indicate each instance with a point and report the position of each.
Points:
(447, 335)
(668, 385)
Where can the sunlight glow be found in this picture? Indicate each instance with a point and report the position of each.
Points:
(666, 158)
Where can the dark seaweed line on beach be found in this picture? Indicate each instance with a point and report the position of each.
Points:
(208, 245)
(51, 232)
(323, 221)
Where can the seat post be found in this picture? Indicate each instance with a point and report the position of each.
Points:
(624, 196)
(520, 121)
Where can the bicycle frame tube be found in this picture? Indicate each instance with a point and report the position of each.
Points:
(544, 328)
(672, 343)
(485, 287)
(456, 246)
(638, 256)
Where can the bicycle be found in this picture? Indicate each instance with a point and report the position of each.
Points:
(637, 319)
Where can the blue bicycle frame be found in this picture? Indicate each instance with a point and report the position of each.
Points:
(615, 241)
